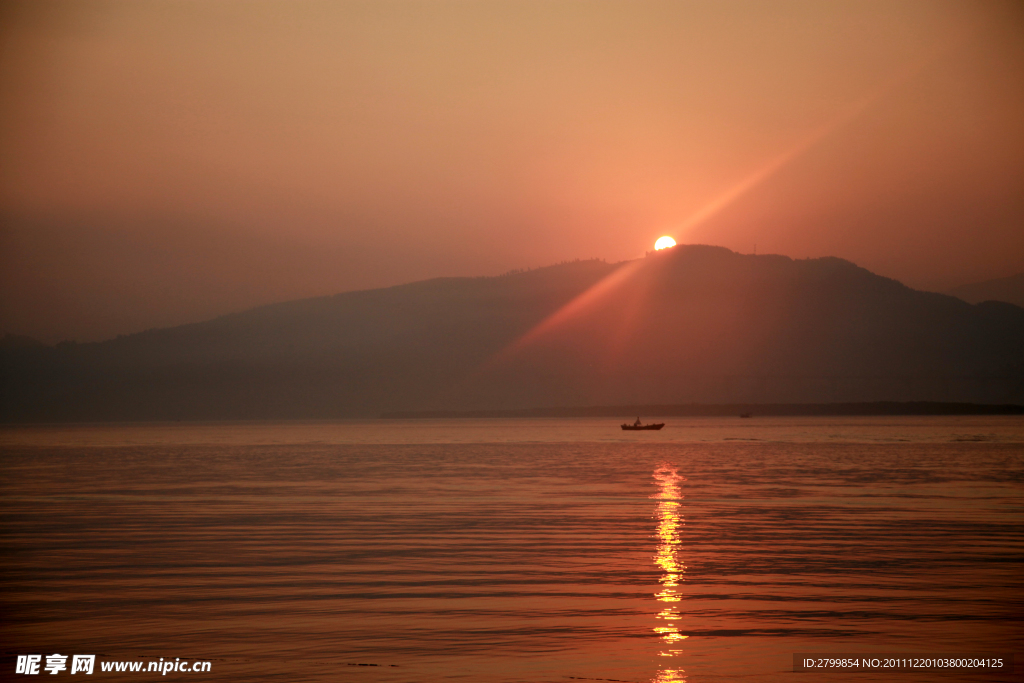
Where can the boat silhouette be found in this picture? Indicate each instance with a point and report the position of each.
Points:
(638, 426)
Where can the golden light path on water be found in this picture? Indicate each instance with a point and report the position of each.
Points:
(670, 523)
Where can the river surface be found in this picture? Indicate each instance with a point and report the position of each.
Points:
(499, 551)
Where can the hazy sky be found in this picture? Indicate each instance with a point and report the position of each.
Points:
(165, 162)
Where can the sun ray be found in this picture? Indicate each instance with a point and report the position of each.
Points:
(843, 118)
(611, 283)
(575, 308)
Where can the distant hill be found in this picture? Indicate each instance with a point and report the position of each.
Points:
(18, 341)
(692, 324)
(729, 410)
(1008, 289)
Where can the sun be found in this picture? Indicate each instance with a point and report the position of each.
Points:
(664, 242)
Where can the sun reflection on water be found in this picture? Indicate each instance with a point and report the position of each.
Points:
(670, 523)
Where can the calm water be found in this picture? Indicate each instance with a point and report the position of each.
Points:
(514, 550)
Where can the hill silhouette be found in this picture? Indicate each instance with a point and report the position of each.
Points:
(692, 324)
(1007, 289)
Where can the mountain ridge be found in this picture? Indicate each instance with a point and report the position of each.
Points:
(1006, 289)
(693, 323)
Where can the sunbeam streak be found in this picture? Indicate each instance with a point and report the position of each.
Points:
(595, 294)
(600, 291)
(575, 308)
(846, 116)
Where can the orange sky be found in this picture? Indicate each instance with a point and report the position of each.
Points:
(164, 162)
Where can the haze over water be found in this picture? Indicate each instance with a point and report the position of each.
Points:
(514, 550)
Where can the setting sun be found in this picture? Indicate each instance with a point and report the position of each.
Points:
(664, 242)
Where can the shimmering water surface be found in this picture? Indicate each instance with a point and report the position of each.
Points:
(514, 550)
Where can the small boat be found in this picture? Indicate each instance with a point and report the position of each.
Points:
(637, 426)
(746, 414)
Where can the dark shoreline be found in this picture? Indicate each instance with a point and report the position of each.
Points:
(727, 409)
